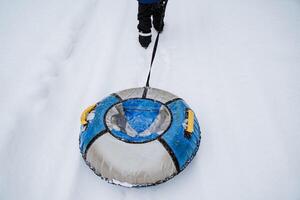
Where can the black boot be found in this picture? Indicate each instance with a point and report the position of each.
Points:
(145, 39)
(159, 26)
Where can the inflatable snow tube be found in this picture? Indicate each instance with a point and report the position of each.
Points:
(139, 137)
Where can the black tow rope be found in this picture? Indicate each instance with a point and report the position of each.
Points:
(156, 44)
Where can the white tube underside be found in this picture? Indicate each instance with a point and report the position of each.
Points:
(136, 164)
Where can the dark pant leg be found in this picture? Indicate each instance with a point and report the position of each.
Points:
(144, 17)
(158, 16)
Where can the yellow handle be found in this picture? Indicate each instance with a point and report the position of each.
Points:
(85, 114)
(190, 122)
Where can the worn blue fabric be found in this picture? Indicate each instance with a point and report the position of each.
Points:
(97, 125)
(148, 1)
(141, 113)
(183, 148)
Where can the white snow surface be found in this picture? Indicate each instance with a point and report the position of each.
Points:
(237, 63)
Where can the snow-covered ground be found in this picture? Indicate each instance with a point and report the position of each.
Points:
(237, 63)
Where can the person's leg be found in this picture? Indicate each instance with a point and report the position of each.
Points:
(144, 26)
(158, 16)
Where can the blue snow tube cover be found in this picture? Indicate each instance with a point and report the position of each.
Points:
(139, 137)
